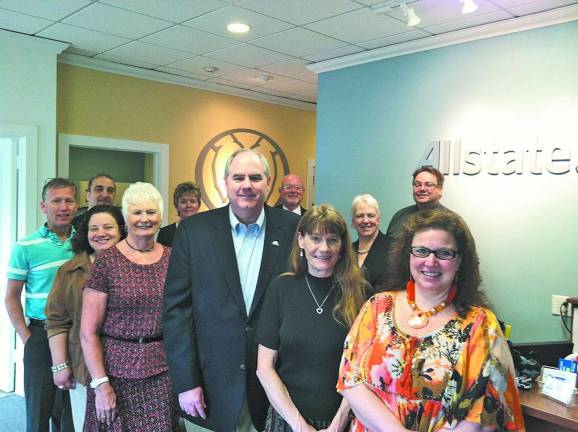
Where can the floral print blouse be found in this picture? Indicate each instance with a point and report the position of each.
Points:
(462, 371)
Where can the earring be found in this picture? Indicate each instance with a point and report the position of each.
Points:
(302, 253)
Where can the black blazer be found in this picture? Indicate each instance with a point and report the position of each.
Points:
(280, 206)
(375, 264)
(167, 234)
(209, 338)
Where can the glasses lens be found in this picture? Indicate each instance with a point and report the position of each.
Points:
(445, 254)
(420, 251)
(427, 185)
(423, 252)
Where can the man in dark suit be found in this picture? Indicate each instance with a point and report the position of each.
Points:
(220, 267)
(291, 194)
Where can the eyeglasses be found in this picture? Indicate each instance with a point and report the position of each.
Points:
(292, 187)
(427, 185)
(443, 254)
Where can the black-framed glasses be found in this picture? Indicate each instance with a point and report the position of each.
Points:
(427, 185)
(443, 254)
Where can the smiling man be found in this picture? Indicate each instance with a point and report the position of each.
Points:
(33, 264)
(291, 194)
(221, 264)
(101, 190)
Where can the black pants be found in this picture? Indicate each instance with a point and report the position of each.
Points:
(44, 401)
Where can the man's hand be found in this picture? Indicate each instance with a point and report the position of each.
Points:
(193, 402)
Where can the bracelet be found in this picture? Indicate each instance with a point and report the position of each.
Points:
(59, 367)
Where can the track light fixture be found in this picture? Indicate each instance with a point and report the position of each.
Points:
(410, 15)
(469, 6)
(408, 11)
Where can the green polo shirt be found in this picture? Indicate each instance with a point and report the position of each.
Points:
(35, 259)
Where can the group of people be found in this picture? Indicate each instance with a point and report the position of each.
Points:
(250, 317)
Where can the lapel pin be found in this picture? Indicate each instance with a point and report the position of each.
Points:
(275, 243)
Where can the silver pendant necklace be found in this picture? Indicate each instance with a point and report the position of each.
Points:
(319, 309)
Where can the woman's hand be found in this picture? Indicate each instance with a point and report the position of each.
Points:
(105, 403)
(64, 379)
(303, 426)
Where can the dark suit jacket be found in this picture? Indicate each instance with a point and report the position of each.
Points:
(209, 337)
(280, 206)
(167, 235)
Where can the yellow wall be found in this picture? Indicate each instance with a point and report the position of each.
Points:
(103, 104)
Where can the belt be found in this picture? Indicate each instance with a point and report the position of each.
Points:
(140, 340)
(37, 323)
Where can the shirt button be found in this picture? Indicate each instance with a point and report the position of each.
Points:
(242, 366)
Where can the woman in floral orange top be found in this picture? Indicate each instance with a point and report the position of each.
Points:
(431, 357)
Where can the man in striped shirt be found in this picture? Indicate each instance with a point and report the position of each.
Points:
(33, 264)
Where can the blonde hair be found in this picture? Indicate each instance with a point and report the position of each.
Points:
(347, 277)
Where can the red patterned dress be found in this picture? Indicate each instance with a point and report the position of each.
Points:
(138, 372)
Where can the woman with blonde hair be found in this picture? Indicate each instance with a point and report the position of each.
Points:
(308, 312)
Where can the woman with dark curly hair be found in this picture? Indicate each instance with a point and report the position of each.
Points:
(307, 315)
(101, 228)
(431, 357)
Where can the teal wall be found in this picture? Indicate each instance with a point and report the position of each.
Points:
(509, 92)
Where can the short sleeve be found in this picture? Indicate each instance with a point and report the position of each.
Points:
(356, 345)
(98, 277)
(491, 397)
(18, 264)
(270, 322)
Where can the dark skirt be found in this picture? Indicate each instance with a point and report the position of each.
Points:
(143, 405)
(276, 423)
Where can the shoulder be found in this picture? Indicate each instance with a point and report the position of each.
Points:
(37, 237)
(167, 228)
(79, 261)
(281, 216)
(213, 216)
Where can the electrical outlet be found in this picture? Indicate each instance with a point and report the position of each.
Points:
(557, 301)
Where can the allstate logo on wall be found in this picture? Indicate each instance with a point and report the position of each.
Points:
(210, 166)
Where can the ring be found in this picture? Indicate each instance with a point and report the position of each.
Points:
(61, 387)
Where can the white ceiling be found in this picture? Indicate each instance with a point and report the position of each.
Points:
(177, 39)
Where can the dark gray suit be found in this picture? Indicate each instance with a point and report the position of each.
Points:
(209, 337)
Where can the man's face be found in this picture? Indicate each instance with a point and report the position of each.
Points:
(102, 191)
(59, 206)
(247, 185)
(426, 191)
(291, 191)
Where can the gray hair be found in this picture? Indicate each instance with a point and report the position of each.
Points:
(262, 158)
(367, 200)
(138, 193)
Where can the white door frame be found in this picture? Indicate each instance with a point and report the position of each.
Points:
(25, 201)
(159, 151)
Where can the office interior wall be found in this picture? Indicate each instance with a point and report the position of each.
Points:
(98, 103)
(517, 92)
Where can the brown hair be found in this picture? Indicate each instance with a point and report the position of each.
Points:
(351, 286)
(186, 188)
(439, 176)
(467, 278)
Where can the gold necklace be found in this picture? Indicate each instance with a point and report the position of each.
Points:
(418, 318)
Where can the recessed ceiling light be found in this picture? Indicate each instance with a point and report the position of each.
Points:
(238, 27)
(264, 77)
(211, 69)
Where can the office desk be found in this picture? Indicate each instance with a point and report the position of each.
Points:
(545, 415)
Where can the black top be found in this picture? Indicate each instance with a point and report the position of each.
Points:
(167, 235)
(309, 344)
(375, 264)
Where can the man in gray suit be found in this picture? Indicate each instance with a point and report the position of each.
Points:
(221, 264)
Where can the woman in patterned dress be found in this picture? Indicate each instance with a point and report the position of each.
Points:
(121, 326)
(432, 357)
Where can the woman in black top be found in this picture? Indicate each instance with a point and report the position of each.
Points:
(187, 200)
(307, 315)
(371, 246)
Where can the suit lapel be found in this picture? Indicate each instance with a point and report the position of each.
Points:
(225, 251)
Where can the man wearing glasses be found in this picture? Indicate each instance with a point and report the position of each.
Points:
(291, 194)
(428, 185)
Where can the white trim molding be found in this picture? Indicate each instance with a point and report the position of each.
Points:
(513, 25)
(160, 152)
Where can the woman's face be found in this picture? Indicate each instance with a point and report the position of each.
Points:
(143, 219)
(187, 205)
(322, 251)
(432, 274)
(365, 220)
(103, 232)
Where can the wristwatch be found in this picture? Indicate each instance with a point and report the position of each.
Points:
(98, 381)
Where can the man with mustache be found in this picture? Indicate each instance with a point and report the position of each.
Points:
(101, 190)
(221, 264)
(33, 264)
(291, 194)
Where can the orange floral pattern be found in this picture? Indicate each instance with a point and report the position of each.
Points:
(463, 371)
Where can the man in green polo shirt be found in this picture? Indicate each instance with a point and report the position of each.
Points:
(33, 264)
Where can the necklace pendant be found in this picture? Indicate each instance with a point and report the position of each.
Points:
(418, 320)
(319, 310)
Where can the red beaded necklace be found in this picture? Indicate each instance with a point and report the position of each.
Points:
(418, 318)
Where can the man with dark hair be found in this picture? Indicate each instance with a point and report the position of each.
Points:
(221, 264)
(33, 264)
(428, 185)
(291, 194)
(101, 190)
